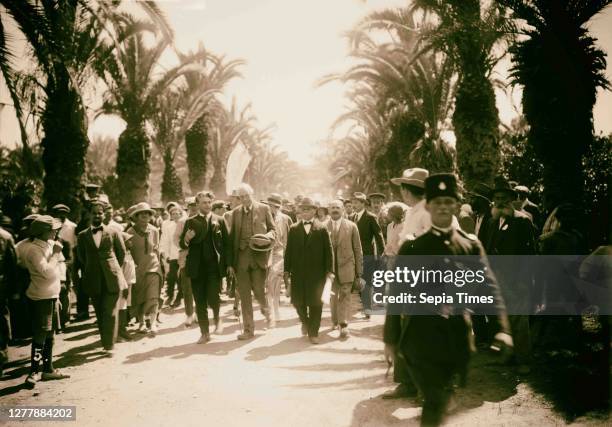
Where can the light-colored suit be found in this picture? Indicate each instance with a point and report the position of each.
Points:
(348, 266)
(250, 266)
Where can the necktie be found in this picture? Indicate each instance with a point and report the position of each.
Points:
(307, 222)
(97, 229)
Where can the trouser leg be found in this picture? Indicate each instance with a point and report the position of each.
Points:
(171, 278)
(302, 312)
(65, 302)
(244, 286)
(333, 302)
(258, 283)
(344, 303)
(434, 381)
(198, 286)
(520, 335)
(187, 292)
(213, 287)
(314, 320)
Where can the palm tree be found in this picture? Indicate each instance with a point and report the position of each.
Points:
(64, 38)
(466, 31)
(560, 68)
(216, 74)
(135, 86)
(229, 126)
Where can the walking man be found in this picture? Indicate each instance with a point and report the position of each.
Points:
(205, 237)
(249, 266)
(308, 264)
(101, 252)
(348, 265)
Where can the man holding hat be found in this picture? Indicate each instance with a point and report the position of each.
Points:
(309, 262)
(101, 251)
(252, 235)
(42, 257)
(275, 274)
(436, 346)
(205, 237)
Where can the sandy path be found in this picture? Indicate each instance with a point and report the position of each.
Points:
(276, 379)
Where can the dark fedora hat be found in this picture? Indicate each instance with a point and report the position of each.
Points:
(502, 185)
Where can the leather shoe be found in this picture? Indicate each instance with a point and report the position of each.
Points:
(31, 380)
(218, 327)
(55, 375)
(344, 332)
(246, 336)
(304, 330)
(314, 340)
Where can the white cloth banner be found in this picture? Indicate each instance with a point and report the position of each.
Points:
(237, 164)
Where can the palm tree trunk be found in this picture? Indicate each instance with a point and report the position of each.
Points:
(64, 145)
(196, 142)
(133, 164)
(217, 182)
(172, 187)
(476, 124)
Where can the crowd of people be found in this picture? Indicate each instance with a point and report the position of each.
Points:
(128, 264)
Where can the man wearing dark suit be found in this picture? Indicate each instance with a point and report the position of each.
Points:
(309, 262)
(205, 238)
(436, 346)
(372, 241)
(247, 266)
(101, 252)
(524, 204)
(509, 232)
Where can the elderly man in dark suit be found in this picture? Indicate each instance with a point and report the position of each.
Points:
(348, 265)
(205, 237)
(308, 264)
(101, 252)
(248, 266)
(510, 232)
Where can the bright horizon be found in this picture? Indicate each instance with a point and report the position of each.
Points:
(288, 46)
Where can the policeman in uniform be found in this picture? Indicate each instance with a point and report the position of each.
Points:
(436, 346)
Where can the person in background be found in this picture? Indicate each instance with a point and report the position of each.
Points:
(377, 201)
(322, 213)
(41, 257)
(101, 252)
(145, 251)
(275, 272)
(348, 208)
(68, 238)
(309, 262)
(169, 249)
(8, 282)
(232, 288)
(109, 219)
(395, 216)
(125, 301)
(218, 207)
(526, 205)
(348, 265)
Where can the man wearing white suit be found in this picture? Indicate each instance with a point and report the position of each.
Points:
(348, 264)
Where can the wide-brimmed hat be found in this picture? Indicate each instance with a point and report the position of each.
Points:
(307, 202)
(502, 185)
(481, 190)
(44, 223)
(275, 199)
(190, 200)
(261, 243)
(359, 196)
(141, 207)
(170, 205)
(522, 189)
(60, 208)
(413, 176)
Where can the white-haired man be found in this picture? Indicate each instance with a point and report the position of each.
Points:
(247, 263)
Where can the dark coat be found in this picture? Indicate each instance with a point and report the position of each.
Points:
(202, 227)
(433, 338)
(516, 237)
(370, 233)
(101, 264)
(308, 258)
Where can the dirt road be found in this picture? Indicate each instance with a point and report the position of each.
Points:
(277, 379)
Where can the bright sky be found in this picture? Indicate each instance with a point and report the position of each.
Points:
(288, 46)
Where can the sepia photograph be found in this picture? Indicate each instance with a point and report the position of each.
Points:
(335, 213)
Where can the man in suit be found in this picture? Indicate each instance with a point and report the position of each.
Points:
(436, 346)
(348, 264)
(205, 238)
(510, 232)
(275, 274)
(247, 266)
(101, 251)
(524, 204)
(372, 241)
(308, 264)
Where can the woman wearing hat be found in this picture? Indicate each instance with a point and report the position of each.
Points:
(42, 257)
(145, 251)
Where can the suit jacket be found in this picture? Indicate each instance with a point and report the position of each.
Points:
(262, 224)
(101, 266)
(515, 237)
(348, 256)
(308, 259)
(370, 233)
(202, 228)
